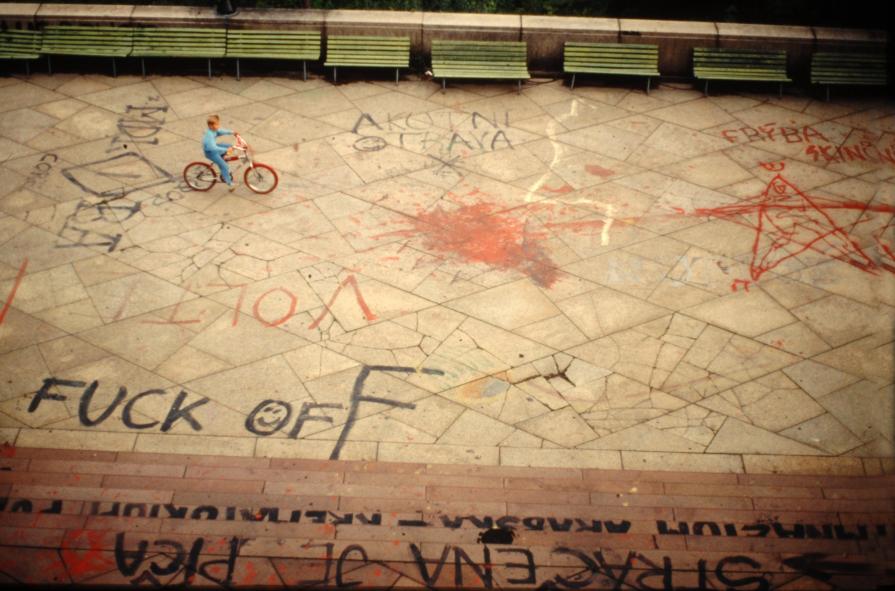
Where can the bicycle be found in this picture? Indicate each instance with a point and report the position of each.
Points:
(260, 178)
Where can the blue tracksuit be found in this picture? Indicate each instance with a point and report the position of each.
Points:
(215, 151)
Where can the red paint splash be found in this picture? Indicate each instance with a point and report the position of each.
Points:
(599, 171)
(478, 234)
(788, 222)
(88, 562)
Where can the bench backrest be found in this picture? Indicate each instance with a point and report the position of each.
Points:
(18, 42)
(494, 53)
(844, 68)
(616, 56)
(179, 42)
(273, 43)
(716, 58)
(368, 51)
(88, 39)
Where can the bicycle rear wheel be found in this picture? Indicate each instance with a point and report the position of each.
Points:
(261, 178)
(199, 176)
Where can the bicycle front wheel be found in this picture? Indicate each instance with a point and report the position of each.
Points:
(199, 176)
(261, 178)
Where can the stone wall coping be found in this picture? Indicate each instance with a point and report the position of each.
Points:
(575, 24)
(752, 31)
(99, 12)
(677, 28)
(19, 10)
(469, 21)
(374, 17)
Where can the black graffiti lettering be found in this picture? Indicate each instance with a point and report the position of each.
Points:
(457, 138)
(45, 394)
(127, 416)
(129, 561)
(797, 531)
(272, 514)
(374, 519)
(664, 572)
(555, 525)
(176, 563)
(762, 529)
(268, 417)
(205, 569)
(87, 398)
(429, 579)
(842, 534)
(622, 527)
(210, 512)
(594, 526)
(482, 571)
(305, 416)
(590, 569)
(346, 519)
(533, 523)
(340, 582)
(457, 522)
(365, 117)
(825, 531)
(760, 583)
(528, 565)
(22, 506)
(683, 529)
(316, 516)
(175, 512)
(507, 522)
(700, 526)
(176, 413)
(501, 135)
(134, 508)
(357, 397)
(55, 508)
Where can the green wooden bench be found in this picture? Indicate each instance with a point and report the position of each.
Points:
(712, 63)
(273, 44)
(480, 59)
(87, 40)
(611, 58)
(204, 43)
(859, 69)
(16, 44)
(367, 52)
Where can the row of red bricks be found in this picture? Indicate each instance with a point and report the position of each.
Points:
(275, 554)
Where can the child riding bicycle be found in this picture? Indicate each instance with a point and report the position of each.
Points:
(215, 151)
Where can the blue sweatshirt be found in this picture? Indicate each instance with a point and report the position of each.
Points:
(210, 146)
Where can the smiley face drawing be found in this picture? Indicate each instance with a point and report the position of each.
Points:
(268, 417)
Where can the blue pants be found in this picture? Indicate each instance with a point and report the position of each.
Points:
(219, 160)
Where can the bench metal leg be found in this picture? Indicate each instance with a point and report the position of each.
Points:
(49, 65)
(828, 93)
(780, 93)
(573, 83)
(443, 85)
(27, 68)
(335, 75)
(706, 90)
(237, 68)
(209, 68)
(647, 84)
(143, 66)
(114, 69)
(519, 87)
(304, 70)
(396, 76)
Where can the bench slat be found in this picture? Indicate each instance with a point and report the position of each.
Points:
(712, 63)
(864, 69)
(103, 41)
(367, 51)
(480, 59)
(20, 44)
(179, 42)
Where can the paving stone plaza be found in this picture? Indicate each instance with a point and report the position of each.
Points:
(571, 281)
